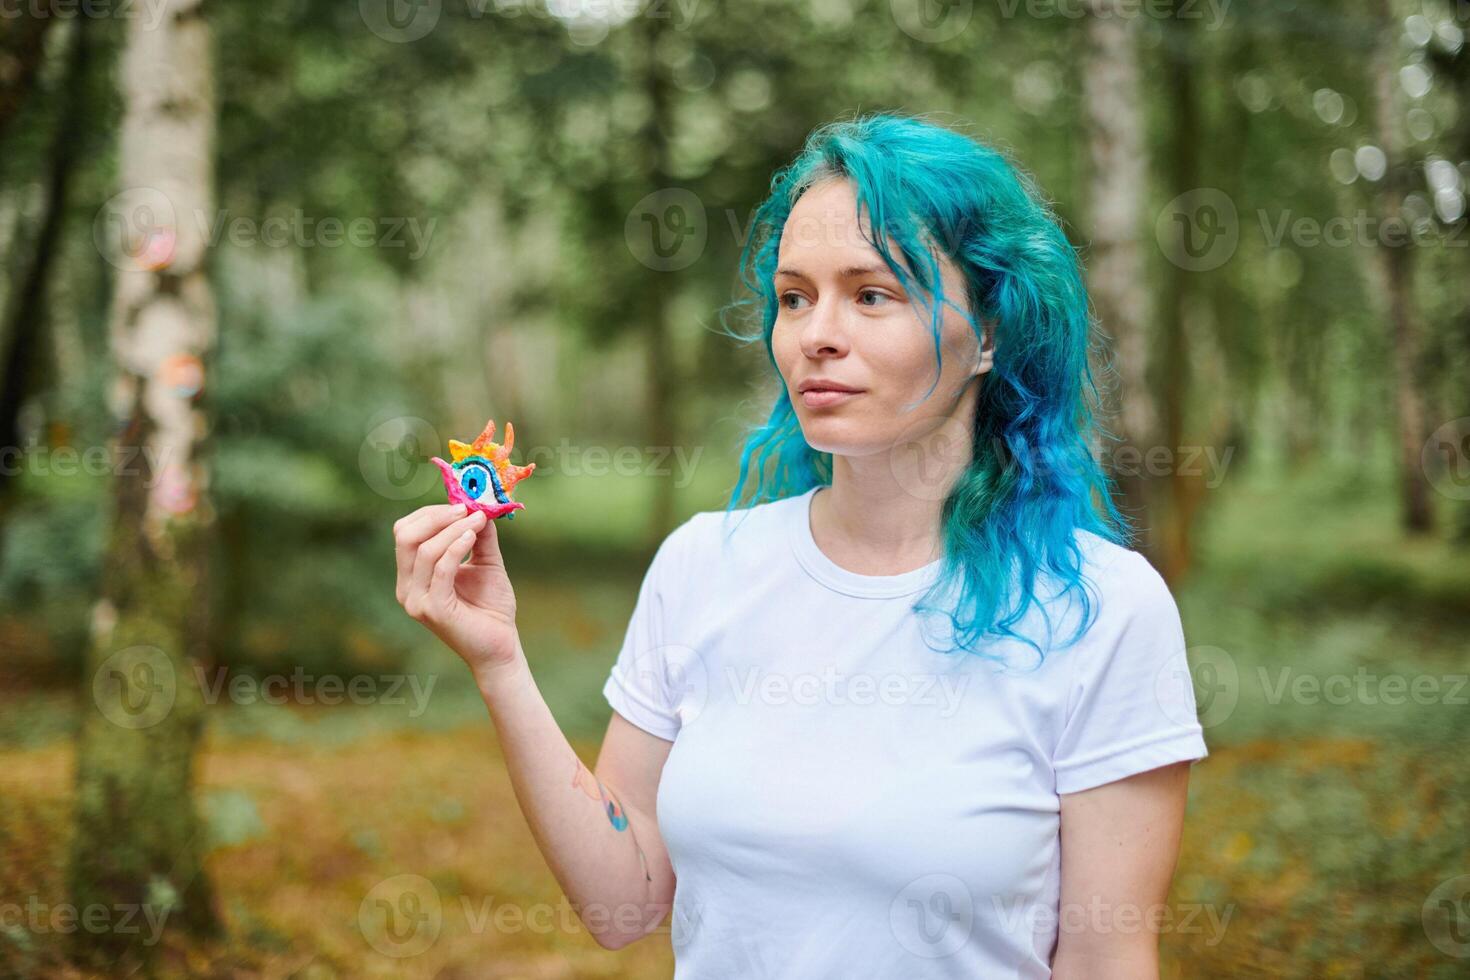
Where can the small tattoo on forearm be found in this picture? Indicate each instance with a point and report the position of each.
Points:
(589, 784)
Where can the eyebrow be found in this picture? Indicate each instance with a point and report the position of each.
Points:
(851, 272)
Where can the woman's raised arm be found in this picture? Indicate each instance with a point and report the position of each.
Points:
(599, 834)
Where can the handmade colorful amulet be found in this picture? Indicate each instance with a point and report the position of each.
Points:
(481, 475)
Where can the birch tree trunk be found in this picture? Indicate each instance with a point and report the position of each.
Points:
(137, 837)
(1113, 105)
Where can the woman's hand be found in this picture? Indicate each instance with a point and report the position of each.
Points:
(470, 606)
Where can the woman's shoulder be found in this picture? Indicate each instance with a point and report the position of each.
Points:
(1123, 581)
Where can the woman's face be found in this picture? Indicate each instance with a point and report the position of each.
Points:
(844, 322)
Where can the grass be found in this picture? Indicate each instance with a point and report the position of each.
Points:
(1318, 828)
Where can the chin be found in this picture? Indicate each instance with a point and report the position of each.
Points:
(840, 437)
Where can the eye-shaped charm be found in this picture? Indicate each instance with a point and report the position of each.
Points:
(475, 478)
(481, 475)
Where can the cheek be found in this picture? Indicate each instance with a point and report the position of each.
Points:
(783, 348)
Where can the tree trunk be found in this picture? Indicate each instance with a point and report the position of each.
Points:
(137, 837)
(23, 30)
(26, 310)
(1178, 495)
(1113, 104)
(663, 429)
(1397, 264)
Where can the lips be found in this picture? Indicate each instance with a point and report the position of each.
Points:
(819, 384)
(826, 397)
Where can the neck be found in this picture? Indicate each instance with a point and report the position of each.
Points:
(881, 515)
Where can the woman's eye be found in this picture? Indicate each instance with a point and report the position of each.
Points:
(876, 297)
(791, 300)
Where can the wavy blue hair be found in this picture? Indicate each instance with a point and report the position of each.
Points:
(1014, 515)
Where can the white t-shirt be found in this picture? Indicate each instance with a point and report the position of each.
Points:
(840, 799)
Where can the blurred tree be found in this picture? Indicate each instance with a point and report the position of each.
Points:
(23, 30)
(137, 840)
(1176, 497)
(1113, 103)
(25, 307)
(1397, 262)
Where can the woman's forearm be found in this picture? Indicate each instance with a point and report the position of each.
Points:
(584, 829)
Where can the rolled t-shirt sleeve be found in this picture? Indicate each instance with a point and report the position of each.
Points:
(1132, 697)
(638, 685)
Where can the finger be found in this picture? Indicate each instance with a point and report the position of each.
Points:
(414, 529)
(441, 584)
(486, 549)
(433, 549)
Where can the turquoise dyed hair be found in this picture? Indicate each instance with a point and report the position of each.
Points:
(1013, 518)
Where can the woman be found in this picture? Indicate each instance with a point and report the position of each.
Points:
(915, 711)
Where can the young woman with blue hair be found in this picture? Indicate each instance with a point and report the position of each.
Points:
(908, 707)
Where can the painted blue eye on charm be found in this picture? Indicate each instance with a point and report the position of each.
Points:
(475, 478)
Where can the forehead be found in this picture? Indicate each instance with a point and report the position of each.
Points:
(824, 226)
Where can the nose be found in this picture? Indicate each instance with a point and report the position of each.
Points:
(823, 334)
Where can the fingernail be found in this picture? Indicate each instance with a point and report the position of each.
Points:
(461, 509)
